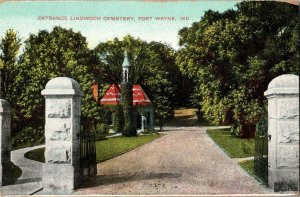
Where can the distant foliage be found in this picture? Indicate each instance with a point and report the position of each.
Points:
(163, 110)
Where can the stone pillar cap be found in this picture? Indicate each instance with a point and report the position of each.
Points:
(62, 86)
(4, 106)
(283, 84)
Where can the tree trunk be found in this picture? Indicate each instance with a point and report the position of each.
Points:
(129, 127)
(161, 124)
(247, 131)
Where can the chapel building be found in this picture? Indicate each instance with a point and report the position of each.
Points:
(143, 107)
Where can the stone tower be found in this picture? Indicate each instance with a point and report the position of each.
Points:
(125, 67)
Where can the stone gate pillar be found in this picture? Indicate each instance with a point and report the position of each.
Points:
(5, 143)
(283, 133)
(62, 129)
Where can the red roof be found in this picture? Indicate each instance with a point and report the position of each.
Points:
(112, 96)
(139, 96)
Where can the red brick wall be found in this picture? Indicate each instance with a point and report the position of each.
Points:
(95, 91)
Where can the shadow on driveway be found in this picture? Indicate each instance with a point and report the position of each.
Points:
(121, 178)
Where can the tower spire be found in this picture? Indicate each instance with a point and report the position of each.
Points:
(125, 67)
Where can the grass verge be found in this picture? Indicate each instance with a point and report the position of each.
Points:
(105, 149)
(36, 155)
(235, 147)
(186, 117)
(248, 166)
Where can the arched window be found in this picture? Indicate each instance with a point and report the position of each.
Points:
(126, 76)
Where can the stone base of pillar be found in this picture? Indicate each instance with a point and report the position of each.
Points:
(286, 180)
(56, 178)
(286, 186)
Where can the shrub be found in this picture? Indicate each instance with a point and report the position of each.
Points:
(12, 173)
(149, 131)
(118, 118)
(29, 136)
(102, 128)
(235, 129)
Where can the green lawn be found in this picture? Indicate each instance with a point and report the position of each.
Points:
(36, 155)
(105, 149)
(235, 147)
(186, 117)
(248, 166)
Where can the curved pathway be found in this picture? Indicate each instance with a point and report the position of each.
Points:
(31, 179)
(184, 161)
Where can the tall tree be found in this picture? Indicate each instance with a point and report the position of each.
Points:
(128, 110)
(9, 49)
(60, 52)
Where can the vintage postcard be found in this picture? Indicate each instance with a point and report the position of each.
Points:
(153, 97)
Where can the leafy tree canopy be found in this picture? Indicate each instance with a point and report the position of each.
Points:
(9, 49)
(232, 56)
(61, 52)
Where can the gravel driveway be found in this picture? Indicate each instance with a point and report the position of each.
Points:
(184, 161)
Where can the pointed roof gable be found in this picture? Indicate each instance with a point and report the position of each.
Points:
(139, 96)
(112, 96)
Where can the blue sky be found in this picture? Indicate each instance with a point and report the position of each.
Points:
(23, 17)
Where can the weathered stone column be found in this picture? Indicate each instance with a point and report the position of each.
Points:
(283, 132)
(62, 129)
(5, 143)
